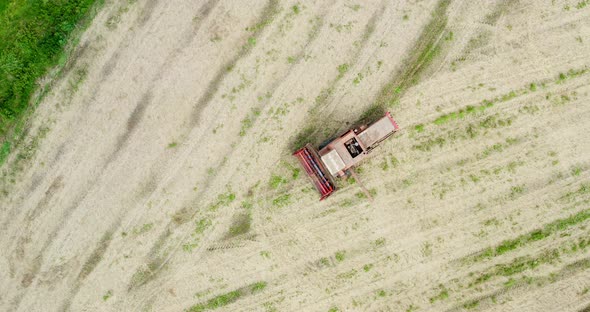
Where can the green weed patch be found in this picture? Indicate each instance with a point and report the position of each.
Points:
(32, 40)
(229, 297)
(536, 235)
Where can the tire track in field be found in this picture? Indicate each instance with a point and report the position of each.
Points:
(91, 263)
(187, 39)
(268, 13)
(585, 309)
(23, 240)
(107, 69)
(146, 13)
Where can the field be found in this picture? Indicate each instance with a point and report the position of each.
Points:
(156, 172)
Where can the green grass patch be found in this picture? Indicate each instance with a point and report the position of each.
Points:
(295, 173)
(471, 305)
(468, 132)
(342, 69)
(348, 274)
(258, 287)
(282, 200)
(374, 112)
(442, 295)
(485, 104)
(380, 242)
(33, 39)
(246, 124)
(107, 295)
(533, 87)
(228, 298)
(4, 152)
(516, 190)
(536, 235)
(142, 229)
(516, 266)
(584, 189)
(576, 171)
(276, 181)
(240, 225)
(268, 15)
(217, 302)
(497, 148)
(340, 255)
(96, 257)
(468, 110)
(572, 73)
(223, 200)
(201, 226)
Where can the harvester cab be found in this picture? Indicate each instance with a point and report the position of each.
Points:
(343, 153)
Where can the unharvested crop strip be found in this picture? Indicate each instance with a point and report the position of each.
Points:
(536, 235)
(228, 298)
(512, 286)
(485, 104)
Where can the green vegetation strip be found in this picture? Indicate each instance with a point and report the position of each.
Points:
(4, 151)
(227, 298)
(471, 109)
(519, 265)
(539, 234)
(538, 281)
(33, 35)
(522, 264)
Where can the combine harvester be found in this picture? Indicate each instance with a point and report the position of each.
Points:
(343, 153)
